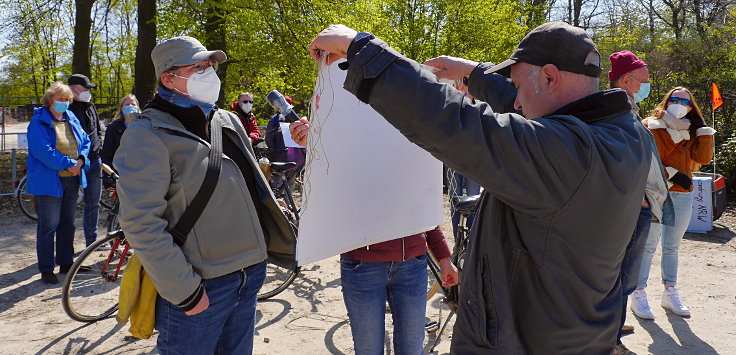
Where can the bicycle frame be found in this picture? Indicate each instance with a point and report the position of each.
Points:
(114, 247)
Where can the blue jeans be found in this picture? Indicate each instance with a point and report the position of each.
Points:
(226, 327)
(456, 183)
(631, 263)
(671, 237)
(366, 285)
(56, 217)
(92, 194)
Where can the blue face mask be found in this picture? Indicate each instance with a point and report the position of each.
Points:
(643, 92)
(61, 106)
(127, 110)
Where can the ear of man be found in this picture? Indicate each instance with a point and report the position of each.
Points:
(550, 79)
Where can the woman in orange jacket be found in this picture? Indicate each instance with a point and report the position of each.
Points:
(684, 143)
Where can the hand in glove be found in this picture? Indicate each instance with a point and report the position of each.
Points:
(682, 180)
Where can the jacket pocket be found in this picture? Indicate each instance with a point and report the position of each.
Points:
(479, 309)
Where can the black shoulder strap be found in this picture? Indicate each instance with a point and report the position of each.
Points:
(194, 210)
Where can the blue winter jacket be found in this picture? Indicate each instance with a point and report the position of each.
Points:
(44, 161)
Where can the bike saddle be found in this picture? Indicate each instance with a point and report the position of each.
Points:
(282, 166)
(466, 204)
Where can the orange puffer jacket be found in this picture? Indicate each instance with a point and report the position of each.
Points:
(685, 156)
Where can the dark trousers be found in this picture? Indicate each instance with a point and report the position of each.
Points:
(631, 264)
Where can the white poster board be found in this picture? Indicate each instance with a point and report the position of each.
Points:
(364, 182)
(702, 216)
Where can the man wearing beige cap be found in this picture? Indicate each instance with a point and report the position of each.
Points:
(196, 208)
(564, 182)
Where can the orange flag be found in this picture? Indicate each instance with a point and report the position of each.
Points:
(717, 99)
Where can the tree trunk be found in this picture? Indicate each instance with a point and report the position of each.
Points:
(145, 75)
(215, 27)
(82, 26)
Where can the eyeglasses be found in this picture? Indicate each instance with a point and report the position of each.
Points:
(248, 101)
(200, 67)
(679, 100)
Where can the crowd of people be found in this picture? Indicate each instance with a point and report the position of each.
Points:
(578, 193)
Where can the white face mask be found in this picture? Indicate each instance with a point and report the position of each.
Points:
(677, 110)
(246, 107)
(203, 87)
(85, 96)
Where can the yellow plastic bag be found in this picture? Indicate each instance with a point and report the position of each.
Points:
(137, 300)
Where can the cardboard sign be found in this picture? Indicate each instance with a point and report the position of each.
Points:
(364, 182)
(702, 216)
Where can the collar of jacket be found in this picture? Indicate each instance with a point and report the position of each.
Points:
(597, 106)
(177, 115)
(45, 116)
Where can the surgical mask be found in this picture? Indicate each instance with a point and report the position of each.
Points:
(643, 92)
(677, 110)
(246, 107)
(204, 87)
(61, 106)
(85, 96)
(127, 110)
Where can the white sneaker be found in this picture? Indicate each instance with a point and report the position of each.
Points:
(640, 305)
(671, 300)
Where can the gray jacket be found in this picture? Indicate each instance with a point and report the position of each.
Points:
(563, 196)
(161, 167)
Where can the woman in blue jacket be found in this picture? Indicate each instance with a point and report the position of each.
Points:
(57, 152)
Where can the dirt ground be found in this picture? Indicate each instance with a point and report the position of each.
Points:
(310, 318)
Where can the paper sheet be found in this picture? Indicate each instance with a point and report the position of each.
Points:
(288, 142)
(366, 183)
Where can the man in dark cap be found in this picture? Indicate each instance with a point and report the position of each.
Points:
(564, 182)
(86, 112)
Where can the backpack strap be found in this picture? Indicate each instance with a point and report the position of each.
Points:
(194, 210)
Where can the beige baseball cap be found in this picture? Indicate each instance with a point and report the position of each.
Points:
(180, 51)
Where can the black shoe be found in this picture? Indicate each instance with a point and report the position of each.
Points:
(63, 269)
(49, 278)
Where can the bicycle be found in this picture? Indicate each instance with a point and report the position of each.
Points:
(28, 206)
(92, 285)
(466, 206)
(278, 278)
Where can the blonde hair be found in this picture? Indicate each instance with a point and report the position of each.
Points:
(119, 114)
(660, 109)
(57, 88)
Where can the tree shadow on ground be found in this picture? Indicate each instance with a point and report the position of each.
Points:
(82, 345)
(663, 343)
(10, 298)
(719, 235)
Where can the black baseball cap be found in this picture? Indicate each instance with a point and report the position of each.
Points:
(80, 79)
(558, 43)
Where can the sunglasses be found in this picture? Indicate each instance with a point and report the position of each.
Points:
(679, 100)
(248, 101)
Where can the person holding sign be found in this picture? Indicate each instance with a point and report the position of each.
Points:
(564, 182)
(684, 143)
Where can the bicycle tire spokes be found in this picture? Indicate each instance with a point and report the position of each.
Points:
(92, 287)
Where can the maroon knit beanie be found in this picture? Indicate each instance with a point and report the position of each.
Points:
(622, 63)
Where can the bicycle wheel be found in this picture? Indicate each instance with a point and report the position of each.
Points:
(92, 285)
(112, 223)
(107, 199)
(25, 201)
(277, 279)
